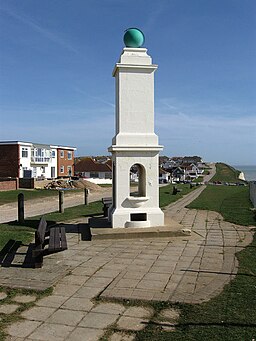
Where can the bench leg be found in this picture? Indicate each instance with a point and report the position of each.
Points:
(39, 261)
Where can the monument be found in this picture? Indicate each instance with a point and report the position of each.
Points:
(135, 144)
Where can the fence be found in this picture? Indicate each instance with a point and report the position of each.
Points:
(26, 183)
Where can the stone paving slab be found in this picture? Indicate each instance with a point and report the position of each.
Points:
(8, 308)
(24, 298)
(88, 334)
(37, 279)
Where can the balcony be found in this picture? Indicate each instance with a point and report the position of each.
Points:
(40, 159)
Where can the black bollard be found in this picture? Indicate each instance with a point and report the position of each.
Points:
(21, 208)
(86, 195)
(174, 190)
(61, 201)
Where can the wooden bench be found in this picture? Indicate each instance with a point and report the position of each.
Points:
(54, 237)
(107, 202)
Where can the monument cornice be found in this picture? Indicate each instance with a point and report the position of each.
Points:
(137, 67)
(115, 148)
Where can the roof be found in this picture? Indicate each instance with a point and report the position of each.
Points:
(35, 144)
(162, 171)
(87, 164)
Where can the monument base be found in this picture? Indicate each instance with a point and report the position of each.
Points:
(139, 218)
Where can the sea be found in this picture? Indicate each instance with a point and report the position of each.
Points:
(249, 171)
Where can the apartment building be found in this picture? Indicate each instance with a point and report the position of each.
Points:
(35, 160)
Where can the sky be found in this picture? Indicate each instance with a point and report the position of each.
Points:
(57, 57)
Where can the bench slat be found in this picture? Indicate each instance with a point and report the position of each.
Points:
(53, 232)
(64, 245)
(40, 232)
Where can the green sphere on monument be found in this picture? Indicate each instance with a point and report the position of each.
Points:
(134, 37)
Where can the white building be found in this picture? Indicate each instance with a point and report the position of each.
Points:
(33, 160)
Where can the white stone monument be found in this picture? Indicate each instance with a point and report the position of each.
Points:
(135, 142)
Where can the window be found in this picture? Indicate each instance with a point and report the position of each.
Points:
(53, 153)
(62, 169)
(94, 175)
(43, 169)
(62, 153)
(24, 152)
(69, 155)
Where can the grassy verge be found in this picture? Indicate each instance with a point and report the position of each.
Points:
(7, 197)
(11, 196)
(199, 179)
(226, 173)
(165, 193)
(24, 234)
(231, 201)
(94, 208)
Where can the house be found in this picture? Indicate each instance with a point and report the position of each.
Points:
(21, 159)
(89, 168)
(178, 174)
(164, 176)
(170, 164)
(191, 171)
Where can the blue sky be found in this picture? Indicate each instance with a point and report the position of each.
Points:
(57, 58)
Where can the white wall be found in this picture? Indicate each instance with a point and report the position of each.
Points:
(26, 164)
(100, 181)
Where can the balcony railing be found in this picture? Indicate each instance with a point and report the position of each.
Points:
(40, 159)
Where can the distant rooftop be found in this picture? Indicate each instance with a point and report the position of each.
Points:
(37, 145)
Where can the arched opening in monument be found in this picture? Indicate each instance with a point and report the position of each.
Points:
(138, 176)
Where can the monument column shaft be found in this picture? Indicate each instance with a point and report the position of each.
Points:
(135, 145)
(135, 102)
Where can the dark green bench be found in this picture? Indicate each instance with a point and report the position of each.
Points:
(54, 237)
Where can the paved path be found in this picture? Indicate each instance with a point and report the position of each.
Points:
(190, 269)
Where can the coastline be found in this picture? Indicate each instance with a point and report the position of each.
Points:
(249, 172)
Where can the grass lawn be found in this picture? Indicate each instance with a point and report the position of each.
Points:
(93, 208)
(30, 194)
(226, 173)
(12, 196)
(25, 234)
(166, 197)
(199, 179)
(231, 201)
